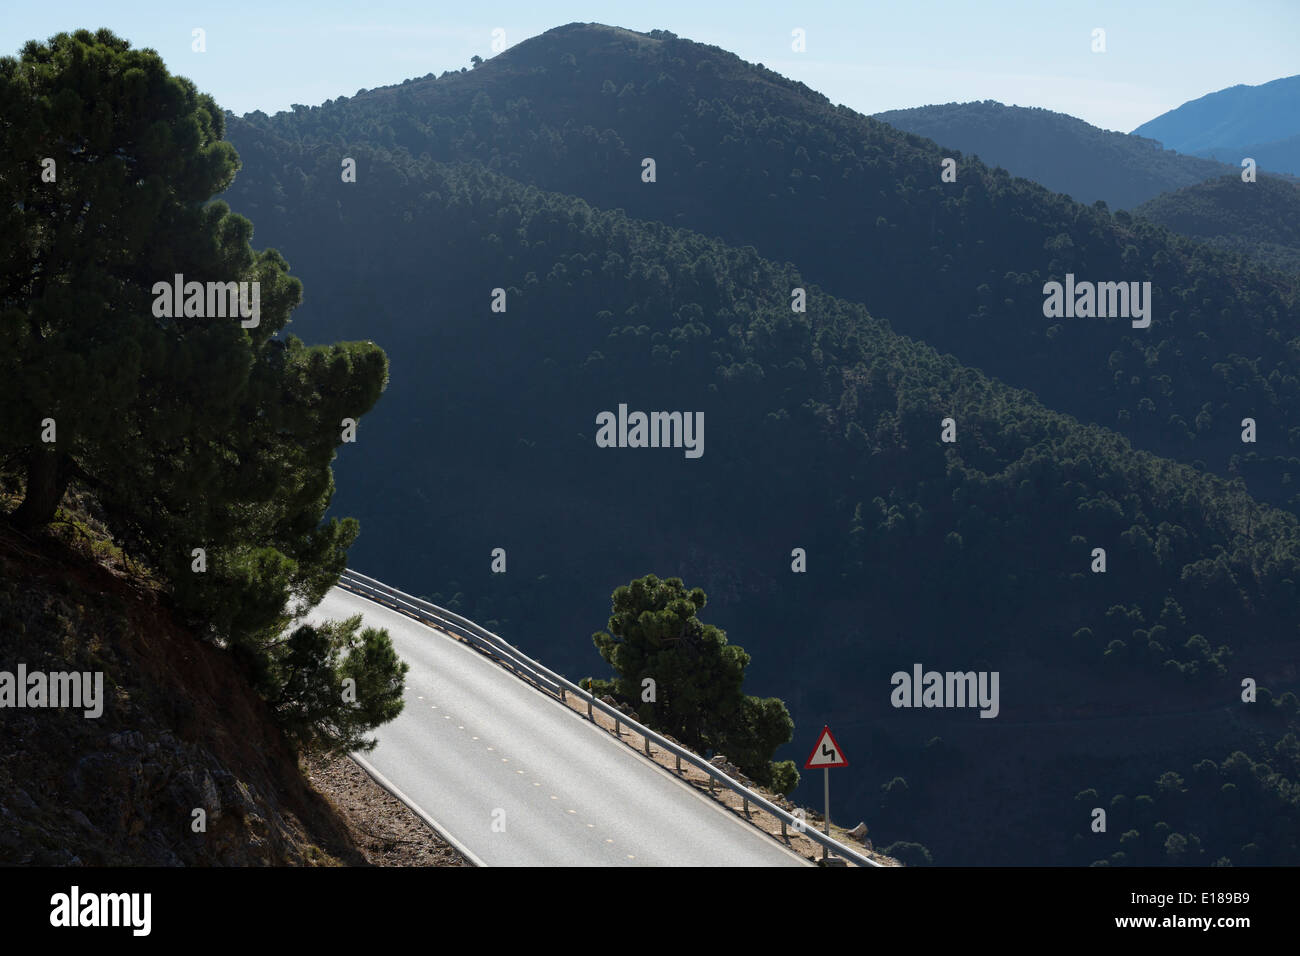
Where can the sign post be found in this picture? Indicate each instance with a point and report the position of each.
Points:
(826, 754)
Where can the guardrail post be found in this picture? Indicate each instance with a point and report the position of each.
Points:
(679, 763)
(617, 728)
(746, 799)
(647, 747)
(784, 835)
(590, 716)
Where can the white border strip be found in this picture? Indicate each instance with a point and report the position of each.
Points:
(438, 828)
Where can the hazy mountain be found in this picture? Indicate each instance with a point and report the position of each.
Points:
(756, 159)
(1258, 121)
(1282, 156)
(1060, 152)
(1260, 220)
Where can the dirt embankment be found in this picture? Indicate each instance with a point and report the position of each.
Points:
(182, 738)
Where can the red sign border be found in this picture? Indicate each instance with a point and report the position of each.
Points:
(826, 732)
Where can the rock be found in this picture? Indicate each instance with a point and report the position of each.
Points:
(235, 795)
(859, 832)
(81, 820)
(211, 799)
(127, 740)
(730, 769)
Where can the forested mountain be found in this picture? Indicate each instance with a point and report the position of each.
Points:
(1260, 219)
(1188, 194)
(1058, 151)
(1227, 122)
(1279, 156)
(823, 433)
(749, 156)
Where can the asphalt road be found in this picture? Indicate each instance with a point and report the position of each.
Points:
(521, 780)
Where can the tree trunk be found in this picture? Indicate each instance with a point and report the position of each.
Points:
(48, 475)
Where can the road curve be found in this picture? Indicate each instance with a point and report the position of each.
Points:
(521, 780)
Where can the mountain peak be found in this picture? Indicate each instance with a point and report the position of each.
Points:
(1231, 119)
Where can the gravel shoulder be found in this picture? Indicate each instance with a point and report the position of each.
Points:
(384, 829)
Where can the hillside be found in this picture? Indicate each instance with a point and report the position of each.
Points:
(165, 526)
(1280, 156)
(1060, 152)
(1260, 220)
(180, 729)
(743, 154)
(826, 424)
(1227, 121)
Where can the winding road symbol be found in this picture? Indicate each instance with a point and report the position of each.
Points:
(826, 752)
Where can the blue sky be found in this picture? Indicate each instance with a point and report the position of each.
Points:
(868, 55)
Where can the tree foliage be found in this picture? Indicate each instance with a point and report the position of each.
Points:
(334, 682)
(1260, 219)
(206, 439)
(654, 634)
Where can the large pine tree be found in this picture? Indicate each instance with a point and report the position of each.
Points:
(207, 439)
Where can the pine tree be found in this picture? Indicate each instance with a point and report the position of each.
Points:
(206, 438)
(654, 634)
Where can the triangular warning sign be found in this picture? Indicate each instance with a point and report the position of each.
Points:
(827, 753)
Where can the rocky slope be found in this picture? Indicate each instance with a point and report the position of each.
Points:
(180, 730)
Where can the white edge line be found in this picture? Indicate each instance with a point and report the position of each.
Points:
(732, 814)
(438, 828)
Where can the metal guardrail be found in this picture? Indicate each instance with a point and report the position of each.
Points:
(557, 684)
(454, 623)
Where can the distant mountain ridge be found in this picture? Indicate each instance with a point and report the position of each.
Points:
(1281, 157)
(1190, 195)
(1058, 151)
(1239, 121)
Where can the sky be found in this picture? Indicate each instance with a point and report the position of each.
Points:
(865, 54)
